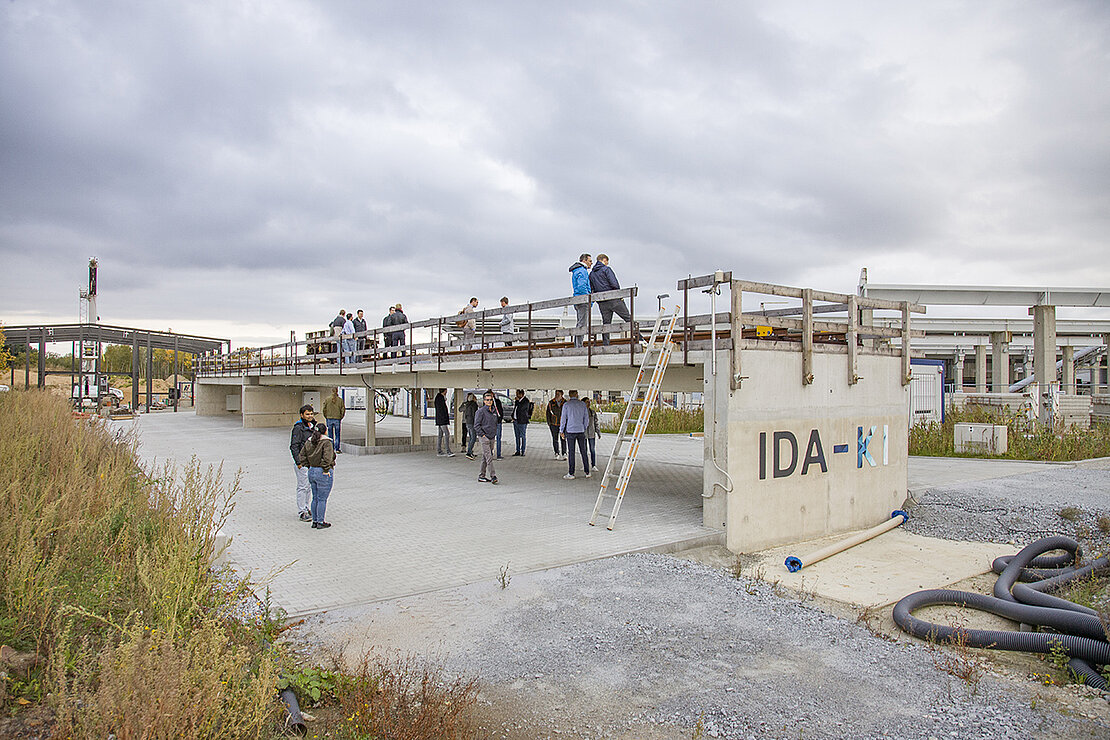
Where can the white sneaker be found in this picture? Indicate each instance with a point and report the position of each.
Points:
(441, 454)
(568, 476)
(587, 475)
(450, 454)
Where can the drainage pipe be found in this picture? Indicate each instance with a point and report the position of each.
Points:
(897, 518)
(293, 720)
(1079, 634)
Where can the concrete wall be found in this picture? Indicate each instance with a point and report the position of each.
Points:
(818, 482)
(270, 406)
(211, 400)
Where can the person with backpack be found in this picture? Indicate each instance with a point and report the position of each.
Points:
(522, 413)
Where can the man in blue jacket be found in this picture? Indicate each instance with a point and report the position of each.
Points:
(602, 279)
(580, 283)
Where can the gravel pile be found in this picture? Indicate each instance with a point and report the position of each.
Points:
(678, 642)
(1018, 509)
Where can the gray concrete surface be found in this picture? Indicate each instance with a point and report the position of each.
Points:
(410, 523)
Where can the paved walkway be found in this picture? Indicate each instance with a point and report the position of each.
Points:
(410, 523)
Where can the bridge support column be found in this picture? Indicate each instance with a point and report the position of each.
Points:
(715, 484)
(808, 461)
(980, 368)
(958, 372)
(416, 409)
(270, 406)
(371, 417)
(1067, 377)
(1000, 361)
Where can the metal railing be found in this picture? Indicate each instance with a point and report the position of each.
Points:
(446, 343)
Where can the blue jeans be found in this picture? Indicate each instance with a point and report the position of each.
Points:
(321, 488)
(521, 432)
(348, 348)
(577, 438)
(471, 438)
(593, 451)
(499, 425)
(333, 431)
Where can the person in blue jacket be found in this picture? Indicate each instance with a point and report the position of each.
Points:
(580, 283)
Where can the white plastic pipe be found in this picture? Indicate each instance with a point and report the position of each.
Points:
(897, 518)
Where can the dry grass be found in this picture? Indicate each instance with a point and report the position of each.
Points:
(1025, 440)
(106, 573)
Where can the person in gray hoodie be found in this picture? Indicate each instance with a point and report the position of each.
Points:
(573, 422)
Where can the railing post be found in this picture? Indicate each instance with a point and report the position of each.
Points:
(483, 344)
(850, 337)
(633, 331)
(807, 336)
(686, 323)
(530, 336)
(736, 333)
(589, 331)
(907, 375)
(439, 345)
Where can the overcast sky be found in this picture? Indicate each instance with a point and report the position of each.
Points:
(242, 169)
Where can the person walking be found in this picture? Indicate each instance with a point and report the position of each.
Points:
(360, 329)
(443, 424)
(508, 325)
(468, 408)
(318, 456)
(522, 414)
(500, 420)
(399, 336)
(580, 284)
(468, 325)
(572, 426)
(486, 422)
(593, 432)
(347, 337)
(334, 411)
(302, 430)
(602, 278)
(554, 410)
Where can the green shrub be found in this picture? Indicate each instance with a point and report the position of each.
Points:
(1026, 440)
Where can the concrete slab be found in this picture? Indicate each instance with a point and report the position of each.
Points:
(881, 571)
(929, 472)
(406, 524)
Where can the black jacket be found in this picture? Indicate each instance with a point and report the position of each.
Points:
(360, 324)
(522, 412)
(302, 432)
(443, 416)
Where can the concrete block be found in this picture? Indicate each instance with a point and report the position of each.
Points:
(986, 438)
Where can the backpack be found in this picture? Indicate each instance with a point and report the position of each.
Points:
(462, 323)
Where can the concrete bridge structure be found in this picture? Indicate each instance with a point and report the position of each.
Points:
(805, 423)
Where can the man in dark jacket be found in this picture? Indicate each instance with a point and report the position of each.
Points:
(399, 336)
(486, 422)
(443, 424)
(602, 279)
(360, 327)
(386, 323)
(522, 413)
(580, 284)
(302, 430)
(338, 322)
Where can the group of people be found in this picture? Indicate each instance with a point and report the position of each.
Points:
(573, 422)
(583, 281)
(346, 326)
(600, 279)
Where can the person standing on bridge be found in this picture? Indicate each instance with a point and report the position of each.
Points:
(334, 411)
(554, 410)
(347, 338)
(337, 323)
(388, 322)
(602, 278)
(360, 328)
(318, 456)
(572, 426)
(399, 336)
(486, 422)
(468, 325)
(443, 424)
(580, 283)
(302, 430)
(508, 326)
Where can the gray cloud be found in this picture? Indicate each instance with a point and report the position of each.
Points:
(217, 157)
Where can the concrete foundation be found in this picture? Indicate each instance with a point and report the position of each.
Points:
(270, 406)
(807, 461)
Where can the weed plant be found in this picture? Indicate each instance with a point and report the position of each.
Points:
(105, 572)
(663, 420)
(1026, 440)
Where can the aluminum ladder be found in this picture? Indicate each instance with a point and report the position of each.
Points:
(644, 392)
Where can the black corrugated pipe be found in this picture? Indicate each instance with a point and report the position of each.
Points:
(1080, 634)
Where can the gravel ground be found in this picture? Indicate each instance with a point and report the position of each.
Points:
(1017, 509)
(649, 646)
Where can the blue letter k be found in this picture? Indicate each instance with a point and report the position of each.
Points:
(862, 443)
